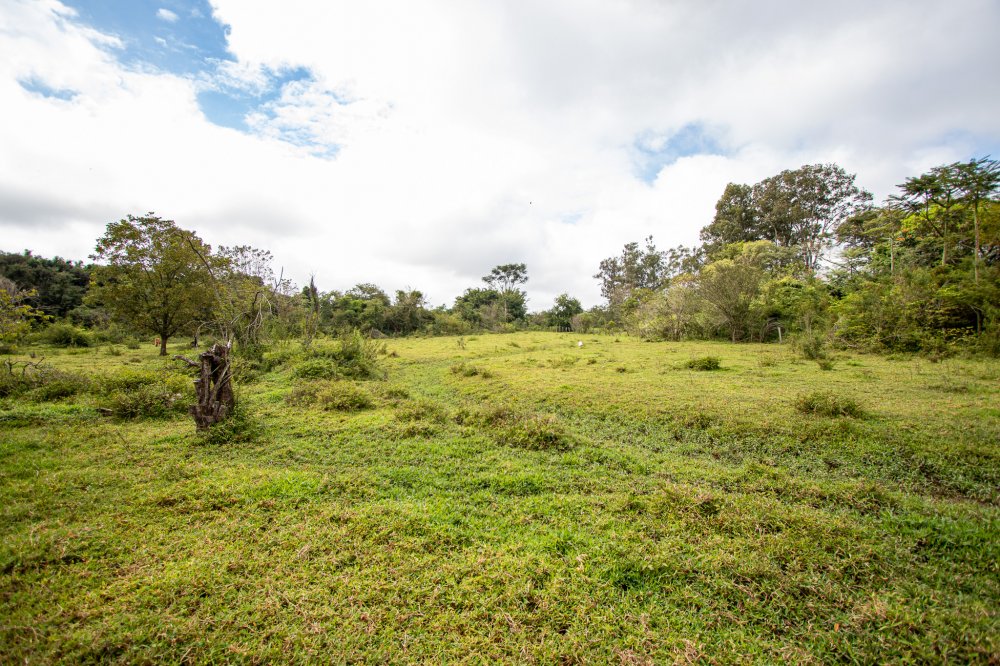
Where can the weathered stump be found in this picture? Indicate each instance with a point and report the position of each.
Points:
(213, 387)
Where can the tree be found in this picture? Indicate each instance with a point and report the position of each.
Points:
(977, 180)
(731, 285)
(735, 221)
(488, 308)
(58, 285)
(152, 276)
(799, 208)
(15, 314)
(562, 312)
(505, 279)
(408, 313)
(636, 268)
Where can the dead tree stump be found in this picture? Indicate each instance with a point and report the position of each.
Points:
(213, 387)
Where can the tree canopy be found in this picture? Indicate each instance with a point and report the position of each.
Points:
(152, 275)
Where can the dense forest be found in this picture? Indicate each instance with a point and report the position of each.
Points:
(804, 255)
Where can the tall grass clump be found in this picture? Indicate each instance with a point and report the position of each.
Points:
(824, 403)
(132, 393)
(536, 432)
(242, 426)
(704, 363)
(352, 356)
(339, 396)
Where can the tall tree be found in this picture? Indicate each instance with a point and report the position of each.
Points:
(977, 181)
(58, 285)
(800, 208)
(563, 310)
(505, 280)
(636, 268)
(152, 275)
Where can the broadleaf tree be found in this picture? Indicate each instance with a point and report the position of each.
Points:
(151, 277)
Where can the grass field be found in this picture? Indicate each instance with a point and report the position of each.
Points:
(509, 498)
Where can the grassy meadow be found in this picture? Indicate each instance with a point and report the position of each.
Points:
(506, 498)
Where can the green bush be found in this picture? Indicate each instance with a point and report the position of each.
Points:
(468, 370)
(824, 403)
(132, 379)
(315, 368)
(132, 393)
(537, 432)
(66, 335)
(56, 385)
(422, 410)
(148, 401)
(243, 425)
(811, 346)
(705, 363)
(276, 358)
(338, 396)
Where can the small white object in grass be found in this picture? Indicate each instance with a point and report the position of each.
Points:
(580, 343)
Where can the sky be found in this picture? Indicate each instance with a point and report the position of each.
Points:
(416, 145)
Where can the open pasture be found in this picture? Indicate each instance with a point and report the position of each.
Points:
(515, 498)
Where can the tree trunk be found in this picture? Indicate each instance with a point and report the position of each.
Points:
(163, 345)
(213, 387)
(975, 258)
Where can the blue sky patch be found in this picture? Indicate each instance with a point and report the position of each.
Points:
(39, 87)
(182, 37)
(654, 151)
(229, 106)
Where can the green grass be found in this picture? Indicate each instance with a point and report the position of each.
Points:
(548, 507)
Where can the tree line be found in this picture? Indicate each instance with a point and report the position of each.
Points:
(805, 253)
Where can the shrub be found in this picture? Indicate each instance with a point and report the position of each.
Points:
(344, 397)
(824, 364)
(40, 382)
(271, 360)
(823, 403)
(315, 368)
(133, 393)
(537, 432)
(422, 410)
(241, 426)
(353, 356)
(467, 370)
(132, 379)
(332, 396)
(56, 385)
(148, 401)
(66, 335)
(811, 346)
(705, 363)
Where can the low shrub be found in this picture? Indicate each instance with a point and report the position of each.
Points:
(133, 393)
(243, 425)
(468, 370)
(331, 396)
(536, 432)
(811, 346)
(148, 401)
(40, 382)
(276, 358)
(704, 363)
(824, 403)
(66, 335)
(132, 379)
(824, 364)
(353, 356)
(56, 385)
(315, 368)
(422, 410)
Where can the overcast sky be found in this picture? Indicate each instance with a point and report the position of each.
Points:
(418, 144)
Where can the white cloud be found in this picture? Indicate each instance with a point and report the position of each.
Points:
(471, 134)
(165, 14)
